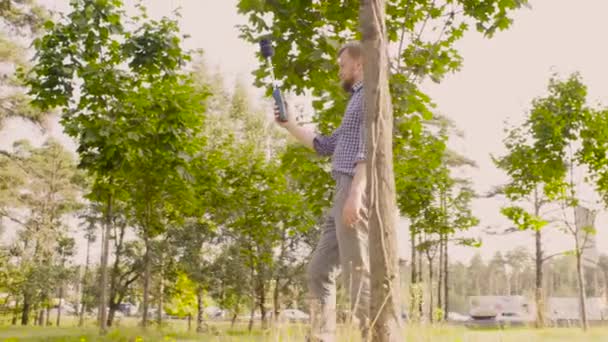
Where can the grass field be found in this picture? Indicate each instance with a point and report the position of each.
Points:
(292, 333)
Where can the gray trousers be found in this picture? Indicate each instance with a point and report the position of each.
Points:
(342, 248)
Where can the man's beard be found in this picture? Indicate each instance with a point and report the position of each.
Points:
(347, 85)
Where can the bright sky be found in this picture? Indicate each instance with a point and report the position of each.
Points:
(499, 79)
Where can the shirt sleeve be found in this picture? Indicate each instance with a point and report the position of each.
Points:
(325, 145)
(361, 155)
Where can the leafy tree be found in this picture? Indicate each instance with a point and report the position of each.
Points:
(231, 284)
(193, 241)
(66, 248)
(556, 135)
(526, 186)
(127, 266)
(21, 21)
(183, 302)
(47, 190)
(252, 202)
(91, 217)
(136, 117)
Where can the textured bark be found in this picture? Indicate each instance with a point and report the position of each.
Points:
(113, 307)
(147, 276)
(581, 292)
(583, 218)
(41, 318)
(15, 313)
(446, 273)
(103, 297)
(83, 285)
(538, 293)
(161, 304)
(251, 316)
(431, 278)
(58, 322)
(385, 302)
(200, 322)
(414, 275)
(233, 321)
(27, 307)
(47, 321)
(440, 274)
(275, 302)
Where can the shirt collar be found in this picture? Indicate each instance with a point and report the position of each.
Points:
(356, 87)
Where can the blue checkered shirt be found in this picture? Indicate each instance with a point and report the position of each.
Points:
(346, 145)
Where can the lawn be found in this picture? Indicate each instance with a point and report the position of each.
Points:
(292, 332)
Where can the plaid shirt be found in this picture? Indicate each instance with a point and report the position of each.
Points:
(347, 143)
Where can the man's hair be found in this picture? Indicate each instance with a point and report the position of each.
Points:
(353, 48)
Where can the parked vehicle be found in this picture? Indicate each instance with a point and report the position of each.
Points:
(294, 315)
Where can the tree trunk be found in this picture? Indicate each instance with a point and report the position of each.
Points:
(83, 285)
(431, 307)
(440, 277)
(414, 275)
(189, 322)
(583, 219)
(385, 301)
(250, 327)
(441, 272)
(262, 303)
(233, 321)
(15, 312)
(112, 305)
(103, 298)
(581, 290)
(25, 315)
(263, 315)
(538, 293)
(60, 305)
(253, 298)
(147, 275)
(161, 291)
(275, 299)
(112, 312)
(200, 319)
(446, 272)
(48, 316)
(419, 277)
(40, 318)
(419, 258)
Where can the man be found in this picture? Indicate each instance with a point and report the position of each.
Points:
(344, 239)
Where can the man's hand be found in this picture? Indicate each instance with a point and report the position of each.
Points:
(304, 135)
(288, 121)
(353, 209)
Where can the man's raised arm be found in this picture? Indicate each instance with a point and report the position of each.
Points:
(323, 145)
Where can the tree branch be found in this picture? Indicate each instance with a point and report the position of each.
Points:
(552, 256)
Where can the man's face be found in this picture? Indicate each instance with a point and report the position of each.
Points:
(350, 70)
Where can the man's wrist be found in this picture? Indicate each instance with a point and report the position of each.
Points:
(290, 126)
(356, 192)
